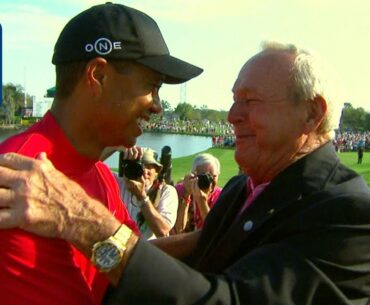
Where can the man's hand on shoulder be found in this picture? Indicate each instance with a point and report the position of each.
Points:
(36, 197)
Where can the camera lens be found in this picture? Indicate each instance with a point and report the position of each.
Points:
(132, 170)
(204, 181)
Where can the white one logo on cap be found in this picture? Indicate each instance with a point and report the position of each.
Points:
(103, 46)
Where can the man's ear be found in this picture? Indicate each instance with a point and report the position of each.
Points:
(316, 112)
(96, 71)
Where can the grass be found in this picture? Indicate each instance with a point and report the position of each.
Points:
(350, 160)
(229, 168)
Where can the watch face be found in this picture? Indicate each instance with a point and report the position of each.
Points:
(107, 256)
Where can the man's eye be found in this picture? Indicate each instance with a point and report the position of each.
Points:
(251, 101)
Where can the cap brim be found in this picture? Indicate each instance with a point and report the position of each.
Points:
(176, 71)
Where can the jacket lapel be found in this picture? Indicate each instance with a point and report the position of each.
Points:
(229, 236)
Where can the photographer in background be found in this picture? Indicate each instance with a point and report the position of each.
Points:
(150, 202)
(197, 193)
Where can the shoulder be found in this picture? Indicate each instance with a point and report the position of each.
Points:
(26, 143)
(167, 188)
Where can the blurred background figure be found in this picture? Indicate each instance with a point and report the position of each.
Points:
(149, 200)
(166, 161)
(197, 193)
(360, 154)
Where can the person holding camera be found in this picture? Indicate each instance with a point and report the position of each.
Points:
(198, 193)
(150, 201)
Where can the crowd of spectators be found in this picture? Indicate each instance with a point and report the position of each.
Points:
(202, 127)
(352, 141)
(222, 133)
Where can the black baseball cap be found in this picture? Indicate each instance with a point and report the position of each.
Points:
(115, 31)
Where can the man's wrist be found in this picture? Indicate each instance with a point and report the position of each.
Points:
(145, 201)
(94, 224)
(108, 254)
(116, 273)
(186, 199)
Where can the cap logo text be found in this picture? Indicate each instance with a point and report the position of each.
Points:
(103, 46)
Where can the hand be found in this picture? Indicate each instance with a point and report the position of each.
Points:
(133, 153)
(200, 196)
(188, 181)
(136, 187)
(36, 197)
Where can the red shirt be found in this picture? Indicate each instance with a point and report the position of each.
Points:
(41, 271)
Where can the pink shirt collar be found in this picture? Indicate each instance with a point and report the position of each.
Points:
(253, 192)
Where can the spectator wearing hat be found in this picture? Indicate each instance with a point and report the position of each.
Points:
(110, 63)
(150, 202)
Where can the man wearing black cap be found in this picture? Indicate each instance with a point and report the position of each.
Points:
(110, 63)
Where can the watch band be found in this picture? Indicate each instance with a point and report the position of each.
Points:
(107, 254)
(122, 235)
(145, 201)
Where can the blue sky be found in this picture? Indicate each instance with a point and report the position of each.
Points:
(216, 35)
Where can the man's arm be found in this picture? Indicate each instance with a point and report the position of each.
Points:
(182, 214)
(37, 198)
(156, 222)
(178, 246)
(162, 218)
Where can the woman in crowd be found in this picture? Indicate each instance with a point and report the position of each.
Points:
(197, 193)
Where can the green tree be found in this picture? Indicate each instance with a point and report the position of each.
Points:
(185, 111)
(13, 99)
(353, 118)
(166, 106)
(367, 121)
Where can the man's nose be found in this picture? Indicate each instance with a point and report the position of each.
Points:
(156, 107)
(234, 114)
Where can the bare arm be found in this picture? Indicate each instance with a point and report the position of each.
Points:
(160, 219)
(178, 246)
(201, 198)
(182, 215)
(202, 204)
(156, 221)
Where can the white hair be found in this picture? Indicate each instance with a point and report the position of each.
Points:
(310, 79)
(207, 159)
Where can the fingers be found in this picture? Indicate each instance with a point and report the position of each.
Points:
(133, 153)
(7, 219)
(8, 177)
(16, 161)
(127, 153)
(42, 156)
(8, 213)
(6, 198)
(45, 164)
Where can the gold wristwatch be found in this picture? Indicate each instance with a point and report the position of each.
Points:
(107, 254)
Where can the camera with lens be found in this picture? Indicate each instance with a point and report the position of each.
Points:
(131, 169)
(204, 181)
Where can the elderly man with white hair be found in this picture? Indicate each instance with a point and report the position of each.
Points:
(295, 230)
(198, 193)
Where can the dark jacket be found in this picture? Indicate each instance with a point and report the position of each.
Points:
(304, 240)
